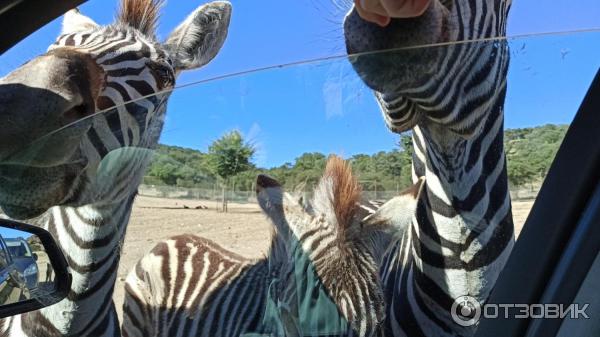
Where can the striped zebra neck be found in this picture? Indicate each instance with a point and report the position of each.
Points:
(91, 238)
(461, 235)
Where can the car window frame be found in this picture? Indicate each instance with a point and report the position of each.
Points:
(20, 18)
(557, 231)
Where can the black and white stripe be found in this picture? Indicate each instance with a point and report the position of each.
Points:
(452, 96)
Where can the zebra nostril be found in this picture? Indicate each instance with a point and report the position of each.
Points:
(76, 113)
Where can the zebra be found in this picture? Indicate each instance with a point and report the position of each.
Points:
(190, 286)
(80, 179)
(452, 97)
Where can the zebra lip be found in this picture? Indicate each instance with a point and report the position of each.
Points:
(26, 182)
(10, 170)
(21, 212)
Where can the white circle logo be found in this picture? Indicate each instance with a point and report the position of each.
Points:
(466, 310)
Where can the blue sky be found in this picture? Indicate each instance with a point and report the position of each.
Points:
(9, 233)
(323, 106)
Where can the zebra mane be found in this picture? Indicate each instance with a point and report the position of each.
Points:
(338, 193)
(140, 14)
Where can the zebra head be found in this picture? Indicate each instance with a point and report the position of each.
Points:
(64, 116)
(340, 246)
(385, 61)
(416, 69)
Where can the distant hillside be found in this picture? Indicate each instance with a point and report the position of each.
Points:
(530, 152)
(178, 166)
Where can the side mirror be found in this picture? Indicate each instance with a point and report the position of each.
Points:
(33, 271)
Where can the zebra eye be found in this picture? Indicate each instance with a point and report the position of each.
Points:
(163, 74)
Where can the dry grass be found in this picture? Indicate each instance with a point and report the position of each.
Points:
(244, 229)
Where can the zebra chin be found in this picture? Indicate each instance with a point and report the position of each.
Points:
(389, 71)
(28, 192)
(22, 212)
(404, 54)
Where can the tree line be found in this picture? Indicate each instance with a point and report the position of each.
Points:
(228, 163)
(530, 152)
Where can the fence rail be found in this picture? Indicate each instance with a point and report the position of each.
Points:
(174, 192)
(215, 194)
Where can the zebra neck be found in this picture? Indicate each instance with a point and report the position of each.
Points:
(91, 237)
(462, 232)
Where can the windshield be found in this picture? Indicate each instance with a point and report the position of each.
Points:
(18, 248)
(284, 122)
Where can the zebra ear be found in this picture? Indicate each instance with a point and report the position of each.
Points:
(269, 195)
(200, 37)
(396, 214)
(74, 22)
(270, 198)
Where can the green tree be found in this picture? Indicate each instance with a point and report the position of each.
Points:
(308, 169)
(164, 170)
(406, 144)
(228, 156)
(530, 152)
(406, 155)
(520, 172)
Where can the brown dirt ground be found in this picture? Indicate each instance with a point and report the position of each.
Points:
(244, 229)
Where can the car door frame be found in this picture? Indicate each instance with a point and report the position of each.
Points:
(560, 239)
(17, 20)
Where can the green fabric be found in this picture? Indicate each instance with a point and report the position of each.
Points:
(311, 313)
